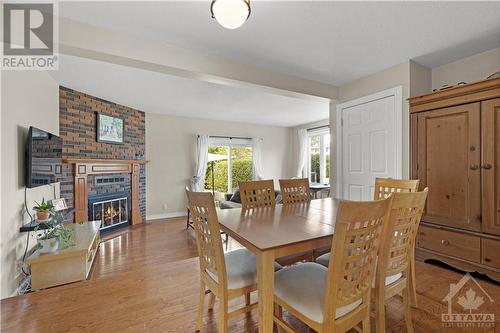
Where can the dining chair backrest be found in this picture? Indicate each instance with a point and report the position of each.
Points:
(399, 235)
(259, 193)
(207, 231)
(295, 190)
(386, 186)
(356, 240)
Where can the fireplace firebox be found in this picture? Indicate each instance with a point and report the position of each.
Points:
(113, 209)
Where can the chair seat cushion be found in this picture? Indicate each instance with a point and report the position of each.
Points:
(392, 278)
(303, 287)
(241, 269)
(325, 258)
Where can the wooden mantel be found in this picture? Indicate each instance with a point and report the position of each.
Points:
(83, 167)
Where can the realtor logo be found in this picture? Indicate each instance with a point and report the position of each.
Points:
(470, 296)
(29, 32)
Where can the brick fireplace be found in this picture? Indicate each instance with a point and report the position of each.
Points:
(84, 168)
(77, 121)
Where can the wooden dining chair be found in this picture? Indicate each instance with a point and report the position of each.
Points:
(223, 276)
(394, 258)
(383, 188)
(337, 298)
(259, 193)
(295, 190)
(189, 221)
(386, 186)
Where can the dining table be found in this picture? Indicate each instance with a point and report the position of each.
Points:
(277, 231)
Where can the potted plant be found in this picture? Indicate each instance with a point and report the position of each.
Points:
(43, 210)
(48, 241)
(53, 235)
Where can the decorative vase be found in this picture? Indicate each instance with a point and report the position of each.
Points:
(48, 245)
(42, 215)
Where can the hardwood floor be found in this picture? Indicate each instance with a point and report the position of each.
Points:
(145, 279)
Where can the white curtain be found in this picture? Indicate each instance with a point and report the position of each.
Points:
(257, 159)
(302, 157)
(201, 163)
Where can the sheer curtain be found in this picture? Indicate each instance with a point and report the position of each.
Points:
(302, 157)
(257, 159)
(201, 163)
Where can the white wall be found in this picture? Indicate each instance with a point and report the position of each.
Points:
(474, 68)
(420, 79)
(171, 151)
(28, 98)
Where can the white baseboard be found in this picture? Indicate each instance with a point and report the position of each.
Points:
(165, 215)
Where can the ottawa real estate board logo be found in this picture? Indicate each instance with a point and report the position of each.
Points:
(29, 36)
(466, 300)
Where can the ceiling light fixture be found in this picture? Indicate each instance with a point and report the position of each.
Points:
(231, 14)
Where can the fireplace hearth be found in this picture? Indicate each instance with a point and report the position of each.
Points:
(113, 209)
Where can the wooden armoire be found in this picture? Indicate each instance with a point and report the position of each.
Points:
(455, 152)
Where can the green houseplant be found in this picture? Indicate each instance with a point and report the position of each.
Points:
(43, 210)
(53, 235)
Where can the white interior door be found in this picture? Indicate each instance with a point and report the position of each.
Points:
(370, 143)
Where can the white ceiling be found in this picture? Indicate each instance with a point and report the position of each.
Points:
(172, 95)
(332, 42)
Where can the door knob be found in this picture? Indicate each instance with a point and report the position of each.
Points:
(487, 166)
(445, 242)
(474, 166)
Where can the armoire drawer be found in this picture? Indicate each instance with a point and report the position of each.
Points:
(491, 253)
(451, 243)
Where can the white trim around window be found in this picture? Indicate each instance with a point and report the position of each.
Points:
(322, 131)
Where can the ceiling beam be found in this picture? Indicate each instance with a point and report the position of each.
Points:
(86, 41)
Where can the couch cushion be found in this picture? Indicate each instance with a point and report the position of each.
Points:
(240, 268)
(303, 287)
(279, 198)
(228, 205)
(236, 197)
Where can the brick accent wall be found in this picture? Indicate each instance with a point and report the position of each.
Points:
(77, 127)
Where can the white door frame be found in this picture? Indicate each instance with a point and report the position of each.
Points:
(397, 92)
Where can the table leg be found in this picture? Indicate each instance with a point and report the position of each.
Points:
(265, 282)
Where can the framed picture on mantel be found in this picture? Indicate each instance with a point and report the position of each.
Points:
(109, 128)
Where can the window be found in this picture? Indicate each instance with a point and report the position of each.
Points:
(318, 152)
(229, 162)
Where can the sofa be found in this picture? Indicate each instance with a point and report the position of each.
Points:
(234, 200)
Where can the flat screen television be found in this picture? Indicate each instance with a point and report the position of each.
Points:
(43, 158)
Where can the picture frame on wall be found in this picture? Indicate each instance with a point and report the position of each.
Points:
(110, 129)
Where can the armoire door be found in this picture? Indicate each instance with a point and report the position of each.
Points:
(449, 164)
(490, 126)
